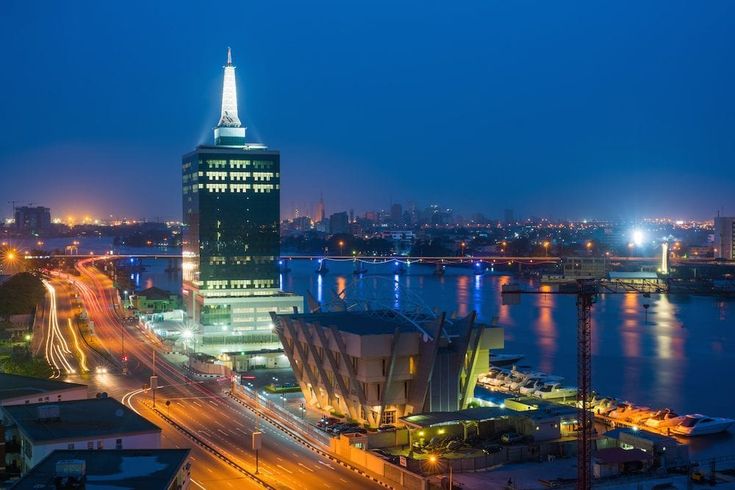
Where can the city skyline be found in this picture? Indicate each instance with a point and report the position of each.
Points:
(622, 122)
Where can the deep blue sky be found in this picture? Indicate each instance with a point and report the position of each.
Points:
(571, 109)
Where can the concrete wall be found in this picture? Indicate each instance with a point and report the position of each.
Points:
(391, 438)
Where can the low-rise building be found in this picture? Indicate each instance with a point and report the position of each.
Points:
(141, 469)
(155, 300)
(33, 431)
(378, 366)
(22, 390)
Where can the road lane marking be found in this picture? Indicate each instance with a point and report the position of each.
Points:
(284, 469)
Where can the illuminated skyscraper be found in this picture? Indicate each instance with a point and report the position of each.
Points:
(231, 208)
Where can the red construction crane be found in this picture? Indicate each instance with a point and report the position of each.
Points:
(587, 291)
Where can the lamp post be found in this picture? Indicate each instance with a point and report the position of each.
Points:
(434, 460)
(341, 247)
(546, 248)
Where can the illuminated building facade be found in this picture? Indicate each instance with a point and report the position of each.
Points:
(231, 208)
(378, 366)
(724, 238)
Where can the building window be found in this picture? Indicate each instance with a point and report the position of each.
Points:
(382, 361)
(411, 365)
(389, 417)
(118, 443)
(90, 445)
(100, 445)
(70, 446)
(377, 385)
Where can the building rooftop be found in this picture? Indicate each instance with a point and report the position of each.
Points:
(78, 419)
(142, 469)
(15, 386)
(155, 293)
(379, 322)
(477, 414)
(633, 275)
(641, 434)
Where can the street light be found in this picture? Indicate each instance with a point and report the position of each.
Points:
(434, 461)
(546, 248)
(341, 247)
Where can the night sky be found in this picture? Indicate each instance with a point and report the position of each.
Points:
(566, 109)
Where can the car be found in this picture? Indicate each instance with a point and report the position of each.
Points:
(326, 422)
(386, 428)
(338, 428)
(512, 438)
(492, 448)
(353, 430)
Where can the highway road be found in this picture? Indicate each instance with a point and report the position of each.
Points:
(201, 409)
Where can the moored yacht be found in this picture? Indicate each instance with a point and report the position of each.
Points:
(555, 390)
(664, 418)
(700, 425)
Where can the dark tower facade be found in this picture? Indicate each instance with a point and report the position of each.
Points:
(231, 243)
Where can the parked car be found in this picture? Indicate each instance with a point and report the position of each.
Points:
(326, 422)
(353, 430)
(386, 428)
(492, 448)
(339, 428)
(512, 438)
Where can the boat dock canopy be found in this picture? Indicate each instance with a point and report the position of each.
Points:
(479, 414)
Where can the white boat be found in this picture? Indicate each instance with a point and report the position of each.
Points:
(622, 411)
(663, 419)
(530, 386)
(495, 377)
(604, 406)
(555, 390)
(700, 425)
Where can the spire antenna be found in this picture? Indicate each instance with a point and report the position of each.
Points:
(229, 56)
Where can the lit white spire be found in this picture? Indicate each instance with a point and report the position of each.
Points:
(229, 118)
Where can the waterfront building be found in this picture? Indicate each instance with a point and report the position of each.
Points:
(378, 366)
(585, 267)
(231, 242)
(32, 220)
(724, 238)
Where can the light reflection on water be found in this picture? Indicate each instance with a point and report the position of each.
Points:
(680, 358)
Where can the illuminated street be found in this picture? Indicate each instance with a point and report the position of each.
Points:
(200, 407)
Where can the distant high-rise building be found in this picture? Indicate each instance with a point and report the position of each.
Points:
(32, 220)
(724, 238)
(339, 223)
(231, 243)
(319, 215)
(508, 217)
(396, 214)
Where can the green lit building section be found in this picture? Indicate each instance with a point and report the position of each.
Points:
(231, 238)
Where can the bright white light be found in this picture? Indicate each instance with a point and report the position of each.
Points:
(638, 237)
(187, 334)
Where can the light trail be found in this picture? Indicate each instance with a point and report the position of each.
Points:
(82, 356)
(56, 345)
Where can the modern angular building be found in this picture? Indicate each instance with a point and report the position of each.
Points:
(380, 365)
(231, 243)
